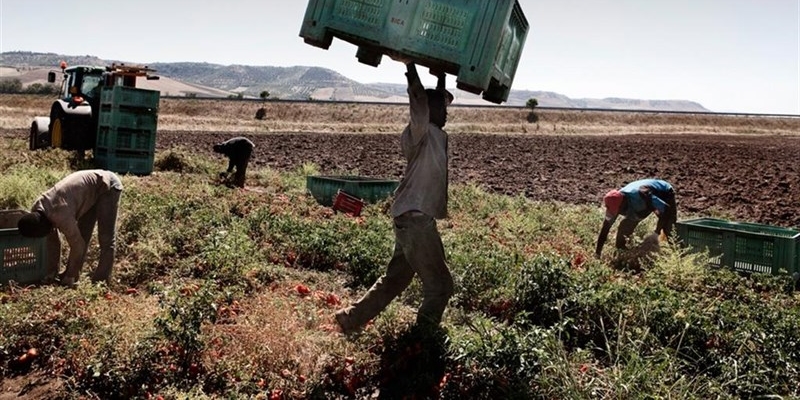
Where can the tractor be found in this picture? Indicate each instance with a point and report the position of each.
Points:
(73, 120)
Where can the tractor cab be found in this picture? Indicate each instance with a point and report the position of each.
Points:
(80, 83)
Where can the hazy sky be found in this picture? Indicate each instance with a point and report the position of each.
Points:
(728, 55)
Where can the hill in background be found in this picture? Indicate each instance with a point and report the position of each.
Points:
(296, 83)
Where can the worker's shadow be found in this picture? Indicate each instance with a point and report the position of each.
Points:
(413, 364)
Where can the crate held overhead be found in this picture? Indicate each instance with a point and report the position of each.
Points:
(480, 42)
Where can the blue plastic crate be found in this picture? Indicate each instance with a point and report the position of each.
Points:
(22, 259)
(478, 41)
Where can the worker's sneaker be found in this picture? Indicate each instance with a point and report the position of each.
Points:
(69, 282)
(49, 279)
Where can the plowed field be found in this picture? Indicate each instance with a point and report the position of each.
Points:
(749, 178)
(740, 167)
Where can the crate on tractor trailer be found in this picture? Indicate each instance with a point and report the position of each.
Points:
(74, 116)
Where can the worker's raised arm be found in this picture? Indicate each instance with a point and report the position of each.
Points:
(418, 103)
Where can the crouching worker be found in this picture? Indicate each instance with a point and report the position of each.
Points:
(73, 206)
(635, 202)
(238, 151)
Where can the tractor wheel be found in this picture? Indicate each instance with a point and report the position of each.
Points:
(39, 135)
(57, 129)
(33, 136)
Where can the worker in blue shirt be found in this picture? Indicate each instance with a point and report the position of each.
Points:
(635, 201)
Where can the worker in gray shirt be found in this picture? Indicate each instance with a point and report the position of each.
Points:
(420, 198)
(73, 206)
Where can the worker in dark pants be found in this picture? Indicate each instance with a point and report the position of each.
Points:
(635, 201)
(238, 151)
(420, 199)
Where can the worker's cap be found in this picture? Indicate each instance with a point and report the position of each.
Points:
(613, 202)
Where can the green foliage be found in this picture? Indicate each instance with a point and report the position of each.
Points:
(497, 361)
(21, 184)
(225, 254)
(180, 326)
(263, 95)
(14, 85)
(533, 316)
(542, 284)
(182, 161)
(10, 85)
(38, 88)
(532, 104)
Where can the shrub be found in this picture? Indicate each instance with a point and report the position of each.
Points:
(182, 161)
(542, 283)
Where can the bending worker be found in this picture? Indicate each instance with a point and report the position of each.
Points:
(238, 151)
(635, 202)
(73, 206)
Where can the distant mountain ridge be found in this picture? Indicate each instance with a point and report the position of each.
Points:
(303, 83)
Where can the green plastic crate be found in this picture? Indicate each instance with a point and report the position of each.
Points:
(123, 139)
(125, 162)
(23, 259)
(116, 117)
(124, 96)
(743, 246)
(478, 41)
(370, 190)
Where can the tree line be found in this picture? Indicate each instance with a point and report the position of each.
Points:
(14, 85)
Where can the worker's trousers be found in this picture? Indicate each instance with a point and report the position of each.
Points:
(104, 215)
(418, 250)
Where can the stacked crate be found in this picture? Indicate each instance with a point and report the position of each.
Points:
(126, 130)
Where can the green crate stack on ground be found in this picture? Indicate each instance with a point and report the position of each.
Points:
(745, 247)
(126, 130)
(480, 42)
(22, 259)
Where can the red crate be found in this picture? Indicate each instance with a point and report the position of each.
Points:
(347, 203)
